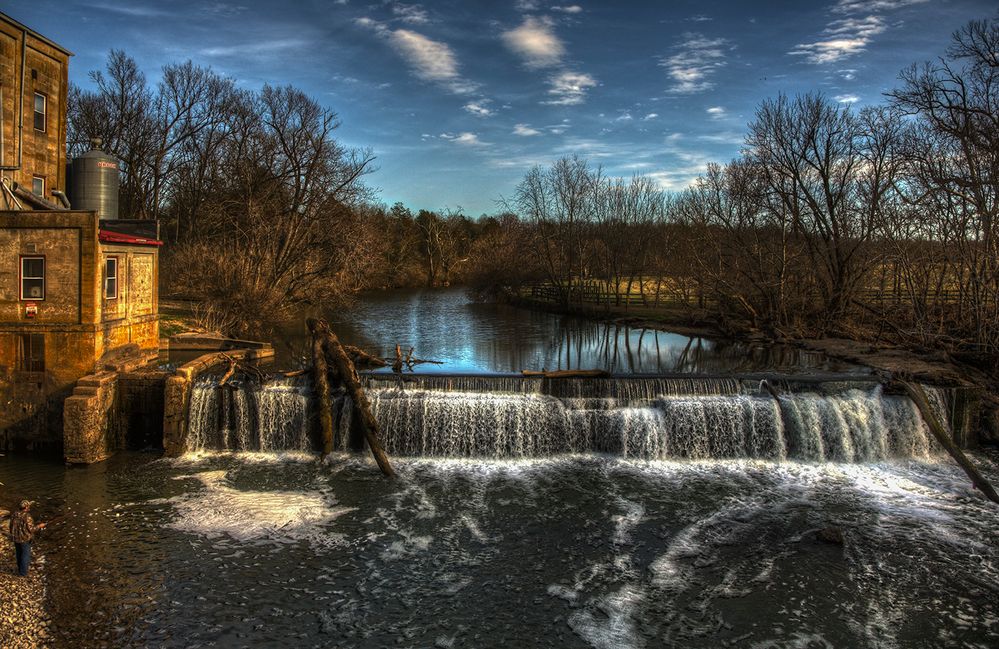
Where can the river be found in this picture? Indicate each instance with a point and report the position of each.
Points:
(632, 512)
(469, 336)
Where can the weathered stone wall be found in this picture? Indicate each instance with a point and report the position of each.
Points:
(82, 331)
(46, 70)
(132, 317)
(92, 425)
(61, 248)
(31, 412)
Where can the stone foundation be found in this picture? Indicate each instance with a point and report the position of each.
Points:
(92, 425)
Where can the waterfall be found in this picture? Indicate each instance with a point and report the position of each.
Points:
(245, 416)
(644, 418)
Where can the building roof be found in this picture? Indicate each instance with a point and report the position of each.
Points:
(107, 236)
(34, 34)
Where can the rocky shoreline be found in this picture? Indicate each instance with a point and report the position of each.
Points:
(24, 624)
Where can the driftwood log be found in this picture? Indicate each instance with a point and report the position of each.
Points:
(320, 378)
(248, 369)
(397, 362)
(228, 373)
(326, 346)
(362, 358)
(918, 396)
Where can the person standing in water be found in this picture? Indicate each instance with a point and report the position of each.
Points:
(22, 532)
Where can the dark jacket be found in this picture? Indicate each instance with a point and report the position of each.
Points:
(22, 527)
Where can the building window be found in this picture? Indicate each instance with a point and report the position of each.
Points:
(111, 278)
(38, 185)
(30, 353)
(40, 101)
(32, 278)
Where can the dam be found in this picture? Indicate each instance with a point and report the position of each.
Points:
(723, 497)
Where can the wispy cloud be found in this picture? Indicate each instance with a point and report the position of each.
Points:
(430, 60)
(131, 10)
(696, 58)
(570, 9)
(716, 112)
(412, 14)
(222, 9)
(465, 139)
(850, 35)
(684, 164)
(536, 42)
(724, 137)
(254, 50)
(650, 117)
(523, 130)
(569, 88)
(700, 18)
(479, 109)
(847, 99)
(844, 38)
(855, 6)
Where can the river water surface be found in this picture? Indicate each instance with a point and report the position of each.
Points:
(469, 336)
(622, 513)
(270, 550)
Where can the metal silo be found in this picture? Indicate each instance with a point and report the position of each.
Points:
(94, 182)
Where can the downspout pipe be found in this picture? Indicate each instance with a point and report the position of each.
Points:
(20, 111)
(62, 198)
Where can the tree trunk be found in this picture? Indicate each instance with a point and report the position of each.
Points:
(345, 369)
(321, 380)
(918, 396)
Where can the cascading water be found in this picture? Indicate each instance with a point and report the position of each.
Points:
(645, 418)
(245, 416)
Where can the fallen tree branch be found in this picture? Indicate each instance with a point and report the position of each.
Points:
(229, 372)
(360, 357)
(328, 342)
(918, 396)
(397, 362)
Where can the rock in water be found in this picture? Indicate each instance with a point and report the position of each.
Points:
(831, 534)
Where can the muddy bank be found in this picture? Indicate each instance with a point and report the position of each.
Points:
(24, 624)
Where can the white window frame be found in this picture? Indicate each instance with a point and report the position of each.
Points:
(38, 181)
(108, 294)
(22, 276)
(44, 112)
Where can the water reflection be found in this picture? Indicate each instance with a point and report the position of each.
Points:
(472, 337)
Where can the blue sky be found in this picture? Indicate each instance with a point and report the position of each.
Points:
(457, 99)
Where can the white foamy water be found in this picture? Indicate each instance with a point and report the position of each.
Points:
(573, 551)
(217, 511)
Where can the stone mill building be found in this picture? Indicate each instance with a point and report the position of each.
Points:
(78, 286)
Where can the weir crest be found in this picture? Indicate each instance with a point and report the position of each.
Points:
(650, 418)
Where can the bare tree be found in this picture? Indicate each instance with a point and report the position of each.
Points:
(559, 202)
(953, 165)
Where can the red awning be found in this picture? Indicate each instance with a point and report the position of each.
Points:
(107, 236)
